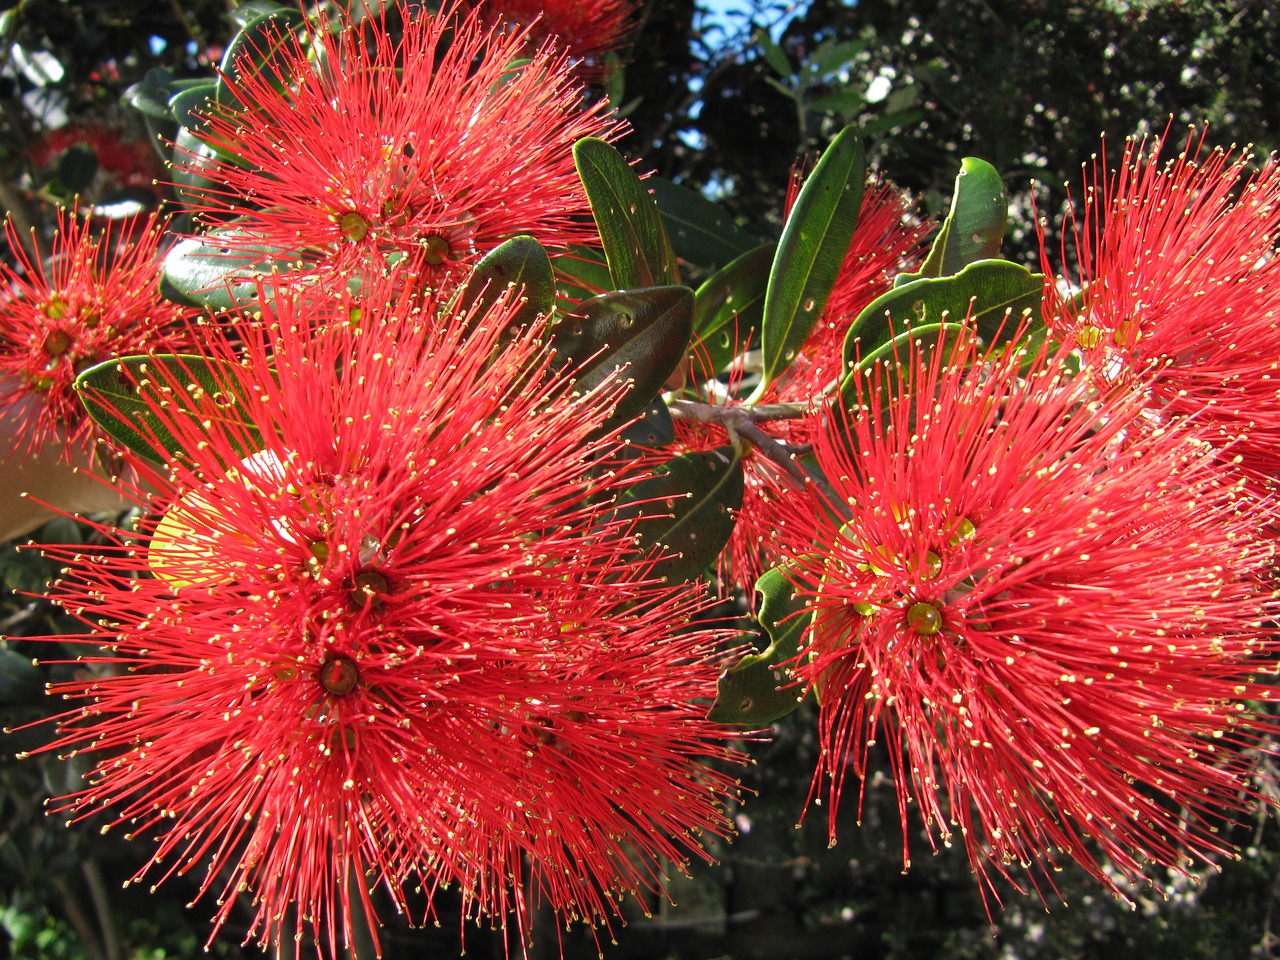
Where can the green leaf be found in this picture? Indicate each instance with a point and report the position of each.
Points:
(687, 510)
(20, 680)
(121, 396)
(728, 307)
(261, 48)
(631, 231)
(655, 428)
(757, 689)
(519, 264)
(581, 274)
(811, 251)
(251, 10)
(220, 270)
(773, 54)
(152, 95)
(993, 294)
(701, 232)
(77, 167)
(642, 333)
(189, 105)
(974, 227)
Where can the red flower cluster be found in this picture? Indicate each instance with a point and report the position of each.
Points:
(1049, 618)
(1178, 288)
(99, 298)
(586, 29)
(362, 147)
(402, 643)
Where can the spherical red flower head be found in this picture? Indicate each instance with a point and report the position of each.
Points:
(1181, 289)
(427, 145)
(586, 29)
(98, 298)
(400, 643)
(885, 243)
(1050, 627)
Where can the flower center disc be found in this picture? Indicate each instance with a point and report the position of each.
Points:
(339, 675)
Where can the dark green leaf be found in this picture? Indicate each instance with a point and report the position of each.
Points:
(811, 252)
(262, 47)
(773, 53)
(20, 681)
(192, 157)
(729, 305)
(995, 294)
(635, 241)
(655, 428)
(189, 106)
(758, 689)
(77, 167)
(687, 510)
(974, 227)
(644, 334)
(701, 232)
(891, 359)
(581, 274)
(521, 265)
(121, 396)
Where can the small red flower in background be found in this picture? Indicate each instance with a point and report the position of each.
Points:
(1050, 627)
(429, 146)
(122, 162)
(402, 644)
(586, 29)
(99, 298)
(885, 243)
(1181, 289)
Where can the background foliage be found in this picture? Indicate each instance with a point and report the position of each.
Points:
(725, 102)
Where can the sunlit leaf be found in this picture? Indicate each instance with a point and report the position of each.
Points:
(974, 227)
(811, 251)
(121, 396)
(631, 230)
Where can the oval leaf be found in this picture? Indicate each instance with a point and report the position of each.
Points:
(519, 265)
(701, 231)
(220, 270)
(811, 251)
(759, 689)
(728, 307)
(115, 394)
(631, 231)
(687, 510)
(642, 333)
(993, 294)
(260, 43)
(974, 227)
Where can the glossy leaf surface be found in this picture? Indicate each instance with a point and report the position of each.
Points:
(638, 336)
(635, 240)
(686, 511)
(811, 251)
(121, 395)
(758, 689)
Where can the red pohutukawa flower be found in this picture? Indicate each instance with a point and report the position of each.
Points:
(1181, 289)
(1050, 627)
(401, 644)
(885, 243)
(587, 29)
(427, 144)
(98, 298)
